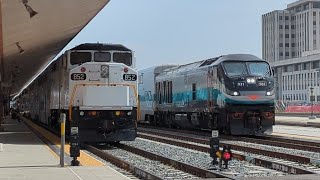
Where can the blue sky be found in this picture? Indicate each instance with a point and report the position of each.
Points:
(180, 31)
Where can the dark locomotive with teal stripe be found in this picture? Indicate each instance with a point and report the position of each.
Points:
(232, 93)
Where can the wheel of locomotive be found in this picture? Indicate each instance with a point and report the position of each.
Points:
(154, 119)
(223, 122)
(169, 120)
(161, 120)
(227, 128)
(213, 122)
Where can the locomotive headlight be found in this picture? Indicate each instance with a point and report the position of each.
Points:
(81, 113)
(269, 93)
(235, 93)
(129, 113)
(251, 80)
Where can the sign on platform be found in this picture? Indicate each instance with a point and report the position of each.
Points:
(215, 133)
(74, 130)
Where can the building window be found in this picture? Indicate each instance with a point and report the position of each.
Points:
(316, 4)
(315, 64)
(287, 35)
(314, 23)
(280, 17)
(280, 26)
(286, 18)
(293, 54)
(314, 32)
(281, 35)
(286, 26)
(287, 44)
(292, 26)
(281, 54)
(292, 35)
(293, 44)
(287, 53)
(314, 13)
(281, 45)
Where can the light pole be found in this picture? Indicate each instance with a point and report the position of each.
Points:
(312, 98)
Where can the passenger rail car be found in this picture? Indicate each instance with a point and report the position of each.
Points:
(101, 80)
(233, 93)
(147, 79)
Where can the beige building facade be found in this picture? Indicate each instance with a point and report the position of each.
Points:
(291, 43)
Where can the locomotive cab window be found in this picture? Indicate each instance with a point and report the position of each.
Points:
(125, 58)
(80, 57)
(102, 57)
(235, 68)
(259, 68)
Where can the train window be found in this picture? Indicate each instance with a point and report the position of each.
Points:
(170, 92)
(164, 91)
(80, 57)
(125, 58)
(259, 68)
(194, 91)
(235, 68)
(102, 57)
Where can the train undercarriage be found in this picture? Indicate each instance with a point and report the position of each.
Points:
(234, 120)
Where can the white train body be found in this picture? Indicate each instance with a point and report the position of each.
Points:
(101, 80)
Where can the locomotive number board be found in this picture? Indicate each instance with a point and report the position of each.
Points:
(262, 83)
(78, 76)
(129, 77)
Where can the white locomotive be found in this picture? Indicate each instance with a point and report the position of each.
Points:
(101, 80)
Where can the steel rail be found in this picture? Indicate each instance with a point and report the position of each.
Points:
(205, 148)
(121, 163)
(176, 164)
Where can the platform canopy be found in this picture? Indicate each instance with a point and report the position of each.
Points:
(33, 32)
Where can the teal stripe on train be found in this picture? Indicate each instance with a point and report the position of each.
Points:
(202, 95)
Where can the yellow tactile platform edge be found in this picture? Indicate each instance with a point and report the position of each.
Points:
(85, 159)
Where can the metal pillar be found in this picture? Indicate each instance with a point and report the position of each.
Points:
(63, 130)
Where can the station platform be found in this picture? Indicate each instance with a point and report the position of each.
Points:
(23, 156)
(297, 121)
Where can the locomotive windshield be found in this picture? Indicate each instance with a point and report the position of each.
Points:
(102, 57)
(258, 68)
(235, 68)
(247, 68)
(125, 58)
(80, 57)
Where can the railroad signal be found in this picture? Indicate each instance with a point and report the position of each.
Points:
(214, 150)
(226, 155)
(74, 137)
(214, 147)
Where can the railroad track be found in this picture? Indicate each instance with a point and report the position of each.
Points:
(201, 144)
(141, 173)
(280, 141)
